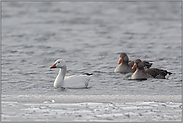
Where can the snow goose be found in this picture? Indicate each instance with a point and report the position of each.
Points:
(74, 81)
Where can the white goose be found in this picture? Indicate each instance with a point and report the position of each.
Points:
(74, 81)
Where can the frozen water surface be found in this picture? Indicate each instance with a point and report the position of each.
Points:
(88, 111)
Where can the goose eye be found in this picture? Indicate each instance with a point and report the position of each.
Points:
(58, 62)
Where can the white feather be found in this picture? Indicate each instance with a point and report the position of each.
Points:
(74, 81)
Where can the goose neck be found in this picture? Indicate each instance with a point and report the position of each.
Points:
(62, 72)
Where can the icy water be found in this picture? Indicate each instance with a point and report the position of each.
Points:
(89, 37)
(106, 112)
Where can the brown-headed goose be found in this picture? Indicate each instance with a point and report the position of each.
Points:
(125, 66)
(74, 81)
(142, 73)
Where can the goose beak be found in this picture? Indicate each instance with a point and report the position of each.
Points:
(134, 66)
(120, 60)
(53, 66)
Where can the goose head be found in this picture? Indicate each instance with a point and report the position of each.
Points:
(123, 58)
(138, 64)
(59, 64)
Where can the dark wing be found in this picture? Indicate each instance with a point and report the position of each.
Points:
(157, 72)
(147, 64)
(88, 74)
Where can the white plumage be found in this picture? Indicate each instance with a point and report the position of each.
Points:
(74, 81)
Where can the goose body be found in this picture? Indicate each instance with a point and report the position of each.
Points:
(125, 66)
(142, 73)
(74, 81)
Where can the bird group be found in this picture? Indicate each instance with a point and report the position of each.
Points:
(140, 69)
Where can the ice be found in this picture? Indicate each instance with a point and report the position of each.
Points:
(90, 111)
